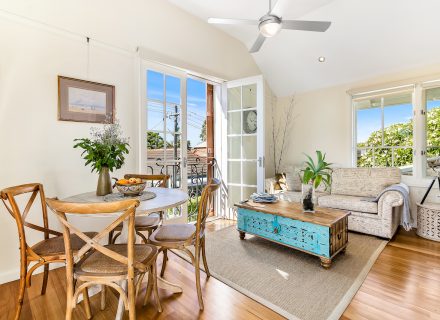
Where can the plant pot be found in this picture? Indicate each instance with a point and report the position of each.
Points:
(104, 186)
(308, 198)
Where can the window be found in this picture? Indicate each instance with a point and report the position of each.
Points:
(384, 131)
(399, 127)
(432, 105)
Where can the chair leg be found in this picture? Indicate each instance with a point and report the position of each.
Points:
(131, 299)
(103, 295)
(110, 237)
(155, 291)
(205, 263)
(164, 262)
(69, 308)
(45, 277)
(149, 285)
(87, 303)
(197, 272)
(22, 289)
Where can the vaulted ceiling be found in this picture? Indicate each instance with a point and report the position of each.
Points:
(366, 38)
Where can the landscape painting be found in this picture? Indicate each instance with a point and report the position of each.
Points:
(85, 101)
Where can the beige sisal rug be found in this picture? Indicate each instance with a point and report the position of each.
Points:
(288, 281)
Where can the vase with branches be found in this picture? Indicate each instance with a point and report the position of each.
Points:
(281, 126)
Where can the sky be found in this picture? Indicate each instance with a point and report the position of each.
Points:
(369, 120)
(196, 105)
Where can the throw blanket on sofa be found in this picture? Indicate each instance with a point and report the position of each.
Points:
(406, 219)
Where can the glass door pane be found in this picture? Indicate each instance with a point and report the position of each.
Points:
(165, 139)
(432, 98)
(244, 153)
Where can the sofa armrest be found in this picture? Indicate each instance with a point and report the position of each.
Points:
(391, 198)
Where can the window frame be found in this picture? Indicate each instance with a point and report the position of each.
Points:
(418, 90)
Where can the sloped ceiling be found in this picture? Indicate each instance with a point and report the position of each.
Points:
(366, 38)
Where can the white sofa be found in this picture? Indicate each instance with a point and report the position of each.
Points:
(349, 188)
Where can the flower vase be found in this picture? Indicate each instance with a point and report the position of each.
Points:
(104, 186)
(308, 198)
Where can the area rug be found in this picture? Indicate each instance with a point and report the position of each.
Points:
(288, 281)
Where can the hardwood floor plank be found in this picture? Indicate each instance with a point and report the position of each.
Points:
(404, 283)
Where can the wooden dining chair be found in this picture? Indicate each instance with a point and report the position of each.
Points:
(47, 251)
(145, 223)
(105, 265)
(182, 236)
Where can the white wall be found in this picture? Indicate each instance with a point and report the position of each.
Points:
(323, 122)
(38, 148)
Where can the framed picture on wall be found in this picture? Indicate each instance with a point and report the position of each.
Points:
(85, 101)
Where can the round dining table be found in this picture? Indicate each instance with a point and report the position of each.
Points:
(166, 198)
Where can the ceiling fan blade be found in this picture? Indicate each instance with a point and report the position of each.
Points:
(319, 26)
(257, 44)
(232, 21)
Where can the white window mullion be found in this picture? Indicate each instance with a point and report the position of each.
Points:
(419, 133)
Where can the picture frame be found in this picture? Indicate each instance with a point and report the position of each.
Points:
(85, 101)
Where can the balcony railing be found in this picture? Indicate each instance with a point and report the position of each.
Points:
(199, 170)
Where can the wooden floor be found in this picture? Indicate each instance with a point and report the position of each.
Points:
(404, 283)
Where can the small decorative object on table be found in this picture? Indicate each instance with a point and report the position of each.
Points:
(313, 176)
(130, 187)
(263, 198)
(105, 151)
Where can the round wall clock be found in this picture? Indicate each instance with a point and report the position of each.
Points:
(250, 121)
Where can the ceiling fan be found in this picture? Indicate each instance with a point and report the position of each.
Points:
(270, 24)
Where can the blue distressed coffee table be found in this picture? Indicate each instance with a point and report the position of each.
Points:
(323, 233)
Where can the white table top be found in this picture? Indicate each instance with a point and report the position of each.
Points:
(165, 198)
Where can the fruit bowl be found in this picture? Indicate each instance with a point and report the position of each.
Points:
(130, 188)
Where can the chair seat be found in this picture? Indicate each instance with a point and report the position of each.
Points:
(100, 264)
(55, 246)
(147, 221)
(174, 232)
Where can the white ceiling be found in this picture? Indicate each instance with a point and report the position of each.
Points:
(367, 38)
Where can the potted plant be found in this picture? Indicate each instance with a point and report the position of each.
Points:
(105, 151)
(312, 176)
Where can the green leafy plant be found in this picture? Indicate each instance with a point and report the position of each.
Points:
(317, 173)
(106, 148)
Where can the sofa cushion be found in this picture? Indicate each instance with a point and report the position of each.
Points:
(292, 196)
(295, 196)
(293, 179)
(349, 203)
(363, 182)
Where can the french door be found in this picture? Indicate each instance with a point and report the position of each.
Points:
(163, 138)
(245, 138)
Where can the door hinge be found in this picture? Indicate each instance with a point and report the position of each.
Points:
(185, 162)
(423, 152)
(261, 162)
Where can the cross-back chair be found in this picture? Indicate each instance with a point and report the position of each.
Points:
(47, 251)
(182, 236)
(145, 223)
(105, 265)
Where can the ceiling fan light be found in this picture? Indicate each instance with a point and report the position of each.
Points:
(269, 28)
